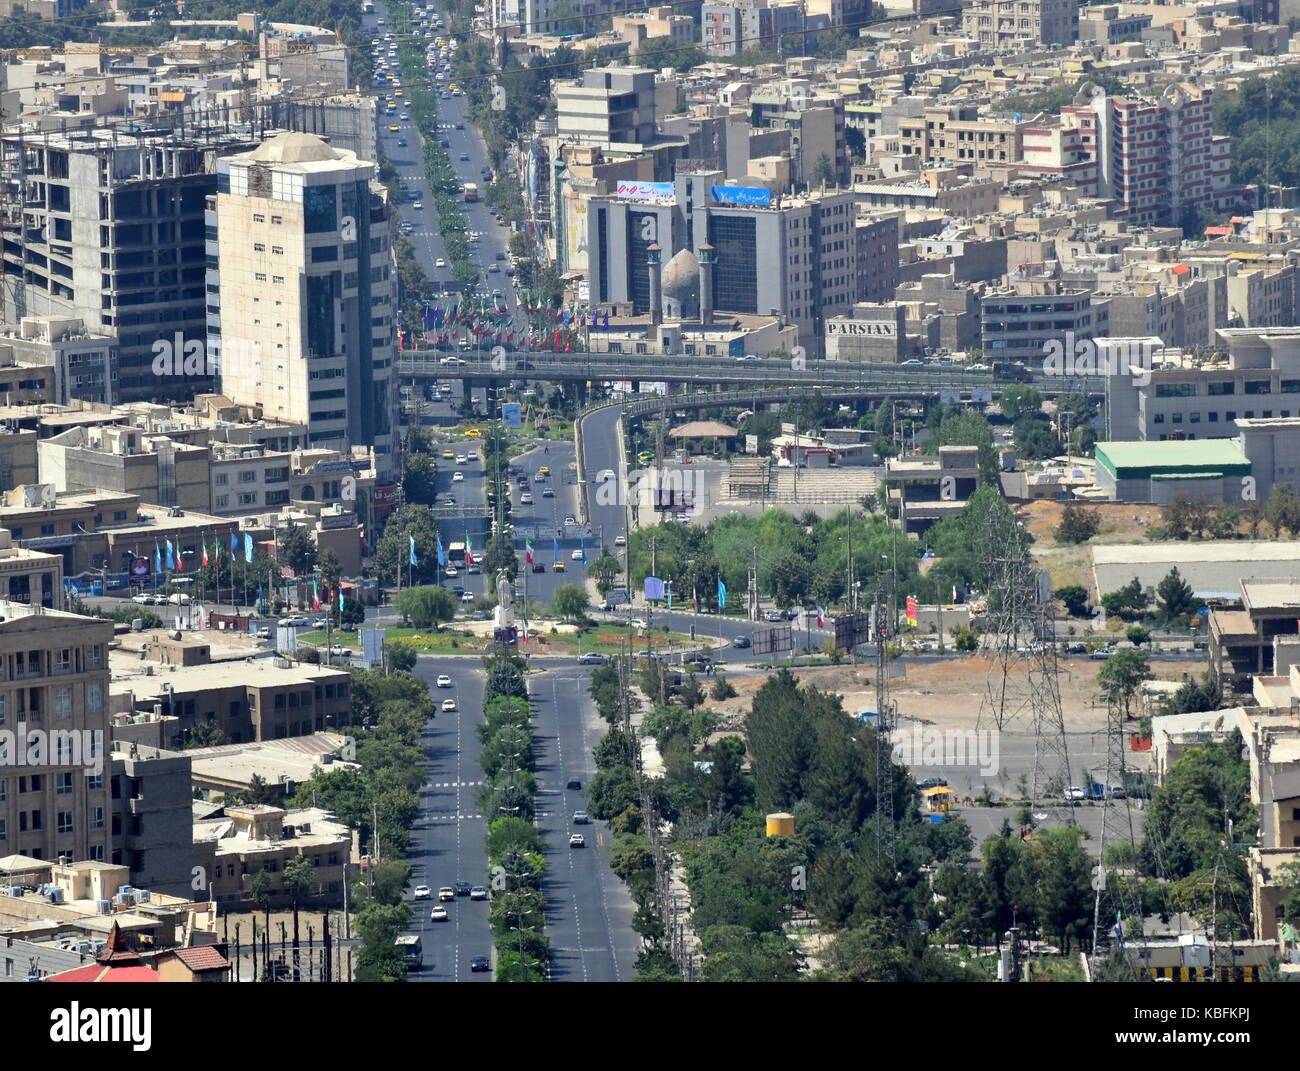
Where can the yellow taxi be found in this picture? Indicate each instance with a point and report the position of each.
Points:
(393, 128)
(474, 433)
(397, 92)
(544, 471)
(558, 567)
(448, 455)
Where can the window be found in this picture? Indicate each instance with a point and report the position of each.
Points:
(63, 783)
(97, 818)
(258, 217)
(1159, 418)
(260, 276)
(1259, 386)
(63, 703)
(1175, 390)
(277, 219)
(258, 247)
(65, 821)
(94, 699)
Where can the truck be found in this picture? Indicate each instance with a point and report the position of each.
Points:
(1011, 370)
(471, 191)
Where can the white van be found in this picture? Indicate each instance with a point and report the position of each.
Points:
(604, 474)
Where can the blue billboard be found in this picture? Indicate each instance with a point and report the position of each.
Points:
(740, 195)
(512, 415)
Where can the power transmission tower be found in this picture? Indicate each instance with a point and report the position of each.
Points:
(1023, 691)
(882, 628)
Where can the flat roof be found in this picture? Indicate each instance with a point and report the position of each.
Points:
(1211, 568)
(1170, 457)
(258, 672)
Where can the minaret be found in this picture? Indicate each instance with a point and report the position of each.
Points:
(705, 256)
(656, 300)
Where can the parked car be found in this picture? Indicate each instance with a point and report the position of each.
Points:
(591, 658)
(932, 782)
(1074, 792)
(144, 600)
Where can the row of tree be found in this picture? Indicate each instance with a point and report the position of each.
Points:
(509, 800)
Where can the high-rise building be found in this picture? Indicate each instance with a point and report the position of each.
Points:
(305, 326)
(110, 231)
(54, 797)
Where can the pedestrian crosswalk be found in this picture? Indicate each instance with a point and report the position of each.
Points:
(455, 784)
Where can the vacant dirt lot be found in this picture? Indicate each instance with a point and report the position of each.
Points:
(948, 694)
(1121, 522)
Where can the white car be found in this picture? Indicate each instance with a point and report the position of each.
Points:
(1074, 792)
(179, 598)
(438, 914)
(143, 600)
(466, 596)
(576, 556)
(440, 263)
(449, 704)
(452, 360)
(451, 570)
(461, 459)
(526, 499)
(422, 892)
(293, 621)
(620, 541)
(444, 681)
(457, 477)
(577, 840)
(640, 622)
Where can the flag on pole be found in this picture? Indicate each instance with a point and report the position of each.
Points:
(469, 551)
(528, 550)
(340, 598)
(821, 617)
(442, 557)
(582, 546)
(234, 544)
(205, 551)
(315, 597)
(157, 557)
(555, 548)
(171, 559)
(414, 560)
(248, 547)
(722, 594)
(695, 600)
(911, 611)
(259, 599)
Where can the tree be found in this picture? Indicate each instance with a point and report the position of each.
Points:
(1074, 597)
(722, 689)
(331, 571)
(1175, 596)
(299, 877)
(1036, 438)
(570, 602)
(1121, 676)
(1195, 696)
(352, 614)
(205, 734)
(297, 550)
(1078, 524)
(426, 607)
(1137, 635)
(692, 693)
(1019, 400)
(823, 172)
(1130, 599)
(401, 655)
(420, 479)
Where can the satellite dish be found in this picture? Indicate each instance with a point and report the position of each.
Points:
(49, 495)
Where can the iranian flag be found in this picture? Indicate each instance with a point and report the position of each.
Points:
(205, 552)
(821, 617)
(469, 551)
(315, 597)
(528, 550)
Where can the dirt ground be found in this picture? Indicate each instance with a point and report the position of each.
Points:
(946, 695)
(1121, 522)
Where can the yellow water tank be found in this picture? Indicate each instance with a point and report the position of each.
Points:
(780, 825)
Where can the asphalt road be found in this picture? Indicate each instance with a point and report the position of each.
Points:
(447, 840)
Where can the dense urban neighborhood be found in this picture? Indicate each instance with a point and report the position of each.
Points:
(718, 491)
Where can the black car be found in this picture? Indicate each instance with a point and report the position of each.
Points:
(740, 641)
(573, 782)
(458, 590)
(538, 567)
(932, 782)
(479, 964)
(524, 366)
(461, 888)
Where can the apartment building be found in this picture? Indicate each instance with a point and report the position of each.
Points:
(924, 490)
(112, 234)
(952, 135)
(54, 789)
(151, 818)
(608, 106)
(1018, 322)
(30, 576)
(1016, 23)
(68, 361)
(728, 27)
(305, 325)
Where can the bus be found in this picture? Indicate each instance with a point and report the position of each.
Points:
(471, 191)
(412, 950)
(456, 554)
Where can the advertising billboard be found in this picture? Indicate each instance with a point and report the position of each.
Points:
(740, 195)
(646, 191)
(512, 415)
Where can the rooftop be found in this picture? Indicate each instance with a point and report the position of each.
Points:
(1170, 457)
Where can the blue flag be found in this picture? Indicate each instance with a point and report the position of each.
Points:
(259, 599)
(234, 543)
(428, 316)
(414, 561)
(248, 547)
(582, 545)
(555, 548)
(157, 557)
(722, 594)
(654, 588)
(442, 557)
(171, 557)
